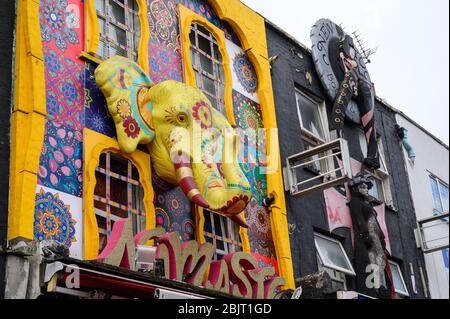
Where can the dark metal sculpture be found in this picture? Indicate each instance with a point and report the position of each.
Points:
(370, 252)
(344, 75)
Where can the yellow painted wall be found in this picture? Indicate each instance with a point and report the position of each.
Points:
(28, 121)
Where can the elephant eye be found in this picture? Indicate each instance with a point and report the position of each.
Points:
(182, 118)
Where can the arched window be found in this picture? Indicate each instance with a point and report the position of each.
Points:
(118, 195)
(119, 28)
(206, 61)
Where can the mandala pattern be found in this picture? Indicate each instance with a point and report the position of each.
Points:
(61, 160)
(53, 220)
(174, 210)
(97, 117)
(259, 232)
(245, 73)
(64, 83)
(58, 23)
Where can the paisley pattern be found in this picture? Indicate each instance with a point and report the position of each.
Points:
(61, 165)
(53, 220)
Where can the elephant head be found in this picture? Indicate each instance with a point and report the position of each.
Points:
(190, 143)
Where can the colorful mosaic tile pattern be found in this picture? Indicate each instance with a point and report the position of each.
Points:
(97, 117)
(64, 80)
(61, 159)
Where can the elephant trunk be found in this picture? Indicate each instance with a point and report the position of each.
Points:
(185, 179)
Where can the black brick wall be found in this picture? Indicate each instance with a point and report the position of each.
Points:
(308, 214)
(7, 24)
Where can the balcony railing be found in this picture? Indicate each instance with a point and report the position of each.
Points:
(335, 169)
(432, 233)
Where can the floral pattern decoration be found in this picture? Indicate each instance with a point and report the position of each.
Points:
(58, 23)
(203, 114)
(53, 220)
(245, 73)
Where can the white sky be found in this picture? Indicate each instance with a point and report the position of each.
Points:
(410, 69)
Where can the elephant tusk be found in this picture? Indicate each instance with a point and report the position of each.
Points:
(239, 220)
(185, 179)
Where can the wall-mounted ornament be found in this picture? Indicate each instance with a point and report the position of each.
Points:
(346, 79)
(169, 118)
(370, 245)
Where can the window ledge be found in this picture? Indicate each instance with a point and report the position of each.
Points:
(90, 58)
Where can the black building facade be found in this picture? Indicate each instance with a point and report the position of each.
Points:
(297, 89)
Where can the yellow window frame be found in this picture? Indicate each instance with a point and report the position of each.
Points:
(187, 19)
(93, 34)
(94, 145)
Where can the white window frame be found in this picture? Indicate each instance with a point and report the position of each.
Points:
(439, 182)
(311, 138)
(306, 134)
(398, 291)
(350, 272)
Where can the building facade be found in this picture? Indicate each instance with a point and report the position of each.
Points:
(427, 161)
(107, 197)
(94, 162)
(320, 216)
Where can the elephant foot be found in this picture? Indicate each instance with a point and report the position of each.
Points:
(238, 220)
(236, 205)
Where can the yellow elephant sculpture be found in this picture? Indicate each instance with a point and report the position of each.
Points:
(190, 143)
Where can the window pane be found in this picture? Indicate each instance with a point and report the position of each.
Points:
(331, 253)
(100, 6)
(377, 190)
(208, 85)
(117, 12)
(207, 64)
(444, 196)
(118, 35)
(397, 277)
(436, 196)
(204, 45)
(217, 54)
(310, 116)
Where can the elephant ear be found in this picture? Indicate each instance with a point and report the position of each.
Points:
(125, 86)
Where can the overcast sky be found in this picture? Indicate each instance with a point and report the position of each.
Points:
(411, 67)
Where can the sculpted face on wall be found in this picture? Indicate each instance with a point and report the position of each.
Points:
(191, 144)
